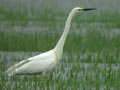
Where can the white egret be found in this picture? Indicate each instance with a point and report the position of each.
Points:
(44, 62)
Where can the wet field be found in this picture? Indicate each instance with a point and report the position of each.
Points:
(91, 58)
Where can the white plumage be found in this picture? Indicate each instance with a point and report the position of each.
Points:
(44, 62)
(39, 64)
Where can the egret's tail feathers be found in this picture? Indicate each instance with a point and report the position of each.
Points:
(12, 71)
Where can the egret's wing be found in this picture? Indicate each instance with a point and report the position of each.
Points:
(11, 70)
(36, 66)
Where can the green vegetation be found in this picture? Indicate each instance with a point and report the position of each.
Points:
(91, 58)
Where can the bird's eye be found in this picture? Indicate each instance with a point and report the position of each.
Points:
(79, 9)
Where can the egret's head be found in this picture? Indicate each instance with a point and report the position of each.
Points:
(78, 9)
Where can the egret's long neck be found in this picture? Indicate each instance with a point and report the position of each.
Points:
(60, 44)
